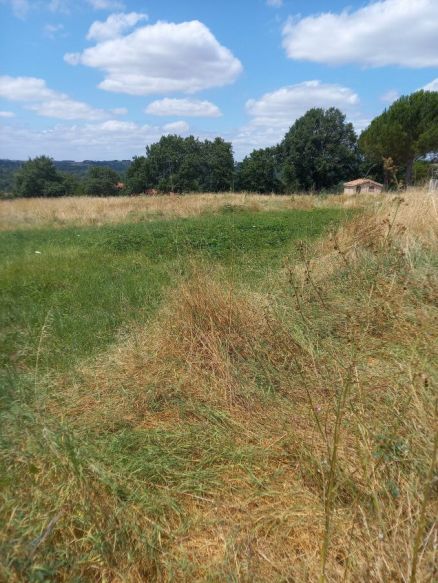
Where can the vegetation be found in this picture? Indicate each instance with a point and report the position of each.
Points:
(39, 177)
(403, 133)
(73, 171)
(260, 172)
(176, 164)
(318, 153)
(101, 181)
(242, 395)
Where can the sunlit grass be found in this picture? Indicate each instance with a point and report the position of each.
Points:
(220, 398)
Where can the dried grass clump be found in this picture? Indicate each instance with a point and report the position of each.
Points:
(407, 223)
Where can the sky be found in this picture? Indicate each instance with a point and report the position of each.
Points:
(101, 79)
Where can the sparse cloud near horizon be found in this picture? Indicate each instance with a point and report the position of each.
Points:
(388, 32)
(432, 86)
(390, 96)
(36, 96)
(111, 139)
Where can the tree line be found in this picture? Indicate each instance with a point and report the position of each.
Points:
(319, 152)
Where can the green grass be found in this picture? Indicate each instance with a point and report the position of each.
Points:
(209, 454)
(84, 284)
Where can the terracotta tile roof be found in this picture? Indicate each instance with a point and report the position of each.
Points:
(360, 181)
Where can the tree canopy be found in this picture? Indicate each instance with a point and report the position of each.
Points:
(260, 171)
(101, 181)
(176, 164)
(319, 151)
(404, 132)
(39, 177)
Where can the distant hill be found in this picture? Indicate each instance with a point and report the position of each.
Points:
(8, 168)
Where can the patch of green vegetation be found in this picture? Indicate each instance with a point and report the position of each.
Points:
(79, 286)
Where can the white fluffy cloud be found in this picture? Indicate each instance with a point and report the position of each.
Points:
(273, 113)
(114, 25)
(388, 32)
(159, 58)
(107, 140)
(45, 101)
(286, 104)
(274, 3)
(183, 107)
(432, 86)
(7, 114)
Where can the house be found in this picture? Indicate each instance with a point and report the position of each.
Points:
(362, 185)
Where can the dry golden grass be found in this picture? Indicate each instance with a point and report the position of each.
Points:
(313, 407)
(81, 211)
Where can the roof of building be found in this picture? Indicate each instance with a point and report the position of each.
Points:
(360, 181)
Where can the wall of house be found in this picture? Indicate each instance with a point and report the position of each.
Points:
(366, 188)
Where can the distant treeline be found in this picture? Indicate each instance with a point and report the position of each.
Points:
(9, 169)
(318, 153)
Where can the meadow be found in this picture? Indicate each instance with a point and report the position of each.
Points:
(219, 388)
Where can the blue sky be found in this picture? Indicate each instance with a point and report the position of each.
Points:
(100, 79)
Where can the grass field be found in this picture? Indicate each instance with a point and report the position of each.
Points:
(218, 388)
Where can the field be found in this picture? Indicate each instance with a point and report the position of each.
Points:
(219, 388)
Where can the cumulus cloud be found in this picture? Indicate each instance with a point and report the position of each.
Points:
(273, 113)
(160, 58)
(286, 104)
(7, 114)
(388, 32)
(114, 25)
(45, 101)
(274, 3)
(183, 107)
(105, 140)
(432, 86)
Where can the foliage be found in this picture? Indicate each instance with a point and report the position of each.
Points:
(101, 181)
(404, 132)
(260, 171)
(176, 164)
(39, 177)
(319, 151)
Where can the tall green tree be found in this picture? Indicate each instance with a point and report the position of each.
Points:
(139, 176)
(176, 164)
(406, 131)
(260, 171)
(39, 177)
(101, 181)
(319, 151)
